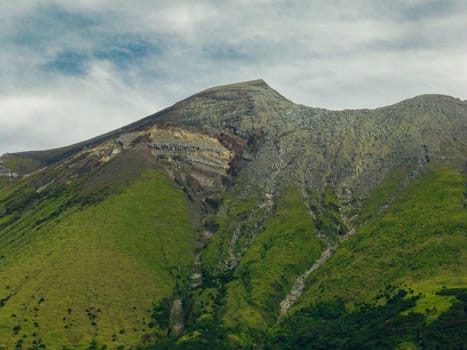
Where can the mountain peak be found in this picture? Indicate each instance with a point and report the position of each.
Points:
(241, 89)
(239, 108)
(249, 84)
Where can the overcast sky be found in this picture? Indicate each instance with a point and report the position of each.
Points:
(70, 70)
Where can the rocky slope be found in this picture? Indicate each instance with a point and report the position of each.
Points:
(222, 207)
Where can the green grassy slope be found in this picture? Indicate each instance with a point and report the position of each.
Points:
(286, 247)
(246, 301)
(399, 282)
(94, 272)
(234, 213)
(417, 242)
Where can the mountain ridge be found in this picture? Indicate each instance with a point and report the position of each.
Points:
(231, 213)
(50, 155)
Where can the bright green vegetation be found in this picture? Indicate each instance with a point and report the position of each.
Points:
(93, 272)
(382, 196)
(329, 325)
(395, 284)
(243, 302)
(286, 247)
(234, 213)
(418, 242)
(328, 220)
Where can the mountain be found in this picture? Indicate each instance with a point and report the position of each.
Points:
(238, 219)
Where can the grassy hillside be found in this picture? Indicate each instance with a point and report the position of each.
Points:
(94, 272)
(399, 282)
(287, 246)
(245, 302)
(418, 241)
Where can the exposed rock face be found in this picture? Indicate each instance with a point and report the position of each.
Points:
(203, 156)
(177, 317)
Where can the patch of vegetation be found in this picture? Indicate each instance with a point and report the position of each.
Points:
(233, 213)
(417, 241)
(450, 329)
(382, 196)
(161, 314)
(4, 182)
(20, 164)
(329, 325)
(205, 333)
(286, 247)
(91, 271)
(327, 212)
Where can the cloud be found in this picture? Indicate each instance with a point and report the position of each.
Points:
(72, 70)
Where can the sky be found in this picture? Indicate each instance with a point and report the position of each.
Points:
(71, 70)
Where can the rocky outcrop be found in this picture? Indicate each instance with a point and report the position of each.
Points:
(177, 317)
(297, 288)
